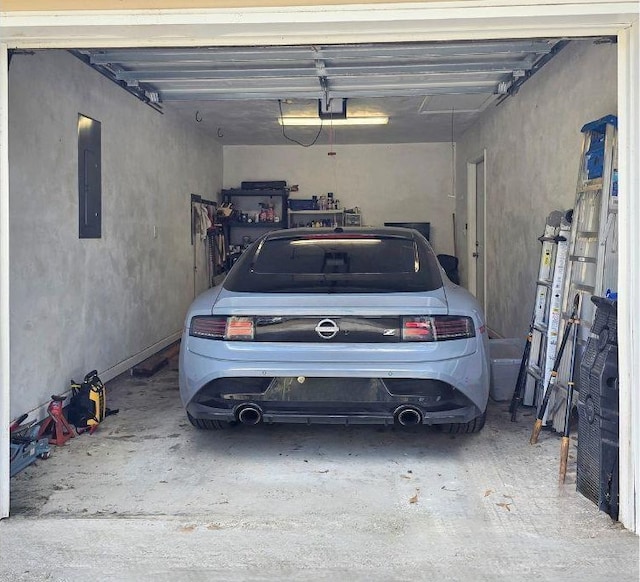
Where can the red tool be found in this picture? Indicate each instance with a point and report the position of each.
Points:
(56, 424)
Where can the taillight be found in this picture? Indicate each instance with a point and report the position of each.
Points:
(239, 328)
(208, 327)
(222, 327)
(436, 328)
(417, 329)
(453, 327)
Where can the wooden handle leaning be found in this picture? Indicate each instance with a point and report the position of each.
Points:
(535, 433)
(564, 455)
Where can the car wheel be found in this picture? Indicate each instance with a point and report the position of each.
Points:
(474, 425)
(207, 424)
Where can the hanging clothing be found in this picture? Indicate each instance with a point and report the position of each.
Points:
(201, 221)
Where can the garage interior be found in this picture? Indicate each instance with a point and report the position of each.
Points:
(111, 302)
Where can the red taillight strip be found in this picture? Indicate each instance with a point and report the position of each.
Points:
(340, 235)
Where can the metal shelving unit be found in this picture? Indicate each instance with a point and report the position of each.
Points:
(239, 234)
(335, 217)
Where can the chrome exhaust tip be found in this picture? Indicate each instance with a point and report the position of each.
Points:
(408, 416)
(250, 414)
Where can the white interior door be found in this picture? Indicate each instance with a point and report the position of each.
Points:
(476, 220)
(479, 254)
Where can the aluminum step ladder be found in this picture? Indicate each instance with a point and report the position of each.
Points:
(592, 266)
(547, 308)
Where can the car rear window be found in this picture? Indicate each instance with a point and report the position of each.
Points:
(339, 263)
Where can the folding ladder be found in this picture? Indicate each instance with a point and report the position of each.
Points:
(547, 307)
(592, 266)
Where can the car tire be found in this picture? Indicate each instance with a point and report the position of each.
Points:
(472, 426)
(206, 423)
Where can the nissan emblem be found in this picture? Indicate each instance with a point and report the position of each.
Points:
(327, 329)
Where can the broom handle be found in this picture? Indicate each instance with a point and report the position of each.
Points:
(564, 446)
(537, 427)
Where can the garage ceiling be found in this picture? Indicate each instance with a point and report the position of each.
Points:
(430, 91)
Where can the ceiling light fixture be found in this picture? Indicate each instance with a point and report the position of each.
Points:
(316, 121)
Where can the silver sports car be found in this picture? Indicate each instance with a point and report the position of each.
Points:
(344, 325)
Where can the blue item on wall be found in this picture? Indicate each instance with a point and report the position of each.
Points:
(595, 154)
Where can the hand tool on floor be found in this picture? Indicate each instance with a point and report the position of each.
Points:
(25, 445)
(521, 382)
(564, 445)
(573, 321)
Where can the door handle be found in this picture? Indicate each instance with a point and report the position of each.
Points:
(475, 255)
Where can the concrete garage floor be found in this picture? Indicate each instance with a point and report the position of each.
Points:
(147, 497)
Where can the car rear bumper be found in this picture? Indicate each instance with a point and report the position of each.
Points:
(392, 416)
(467, 374)
(333, 400)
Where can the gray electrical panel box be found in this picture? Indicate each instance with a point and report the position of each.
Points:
(89, 177)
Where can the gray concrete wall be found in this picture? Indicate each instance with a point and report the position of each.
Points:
(83, 304)
(533, 144)
(393, 183)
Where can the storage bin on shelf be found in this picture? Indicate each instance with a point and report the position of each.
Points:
(303, 204)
